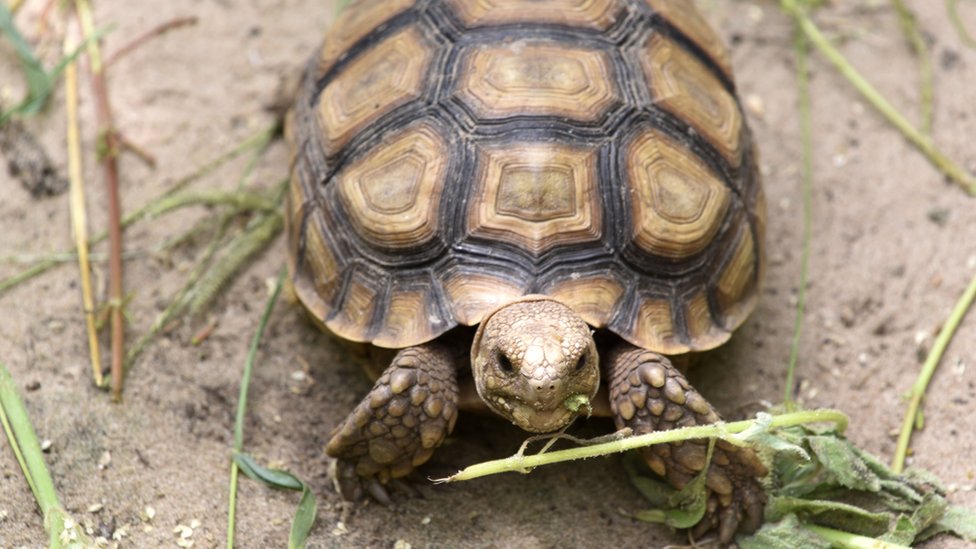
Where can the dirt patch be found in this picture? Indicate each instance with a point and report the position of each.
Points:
(893, 248)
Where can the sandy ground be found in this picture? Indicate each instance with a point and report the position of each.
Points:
(893, 248)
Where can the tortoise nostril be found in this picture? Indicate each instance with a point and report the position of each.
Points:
(505, 364)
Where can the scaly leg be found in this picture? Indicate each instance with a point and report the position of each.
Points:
(404, 418)
(648, 394)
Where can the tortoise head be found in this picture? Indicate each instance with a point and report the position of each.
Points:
(534, 362)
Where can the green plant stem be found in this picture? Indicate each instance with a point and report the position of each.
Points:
(179, 303)
(924, 144)
(847, 540)
(953, 9)
(239, 252)
(242, 200)
(204, 282)
(926, 85)
(928, 369)
(23, 439)
(242, 405)
(722, 431)
(29, 273)
(801, 50)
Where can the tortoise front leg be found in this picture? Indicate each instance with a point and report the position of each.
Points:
(648, 394)
(404, 418)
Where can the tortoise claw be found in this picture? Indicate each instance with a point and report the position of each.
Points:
(377, 491)
(352, 487)
(347, 483)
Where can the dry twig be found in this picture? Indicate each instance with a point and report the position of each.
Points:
(79, 225)
(109, 159)
(149, 35)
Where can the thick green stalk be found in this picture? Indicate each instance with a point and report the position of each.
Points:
(722, 431)
(847, 540)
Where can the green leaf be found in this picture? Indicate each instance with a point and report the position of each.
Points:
(782, 441)
(785, 534)
(835, 514)
(274, 478)
(902, 532)
(304, 518)
(686, 507)
(905, 530)
(957, 521)
(654, 491)
(849, 470)
(40, 83)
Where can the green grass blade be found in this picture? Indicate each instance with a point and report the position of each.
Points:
(62, 530)
(801, 50)
(40, 83)
(301, 525)
(964, 35)
(307, 507)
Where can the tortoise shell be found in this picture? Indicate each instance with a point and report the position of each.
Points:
(451, 156)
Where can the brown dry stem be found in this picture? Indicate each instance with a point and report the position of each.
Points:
(110, 167)
(154, 32)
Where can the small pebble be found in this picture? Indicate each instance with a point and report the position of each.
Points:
(402, 544)
(46, 445)
(425, 521)
(149, 513)
(32, 386)
(95, 507)
(754, 104)
(104, 460)
(755, 13)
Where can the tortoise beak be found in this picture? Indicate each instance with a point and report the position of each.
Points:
(529, 418)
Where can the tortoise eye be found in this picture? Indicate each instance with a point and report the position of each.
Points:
(505, 364)
(581, 363)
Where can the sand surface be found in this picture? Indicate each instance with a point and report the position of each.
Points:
(894, 245)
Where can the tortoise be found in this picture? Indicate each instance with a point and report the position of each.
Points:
(518, 198)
